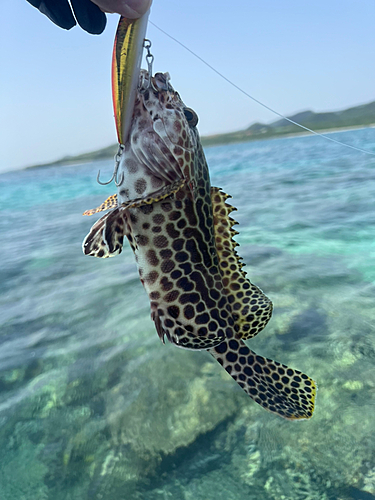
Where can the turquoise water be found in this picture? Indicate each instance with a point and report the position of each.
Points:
(93, 406)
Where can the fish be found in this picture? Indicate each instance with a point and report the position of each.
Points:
(182, 234)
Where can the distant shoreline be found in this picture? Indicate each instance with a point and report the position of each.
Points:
(97, 155)
(323, 131)
(354, 118)
(357, 117)
(303, 133)
(237, 137)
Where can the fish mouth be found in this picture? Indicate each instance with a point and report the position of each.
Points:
(165, 110)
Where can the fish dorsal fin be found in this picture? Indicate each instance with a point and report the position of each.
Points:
(106, 236)
(109, 203)
(251, 308)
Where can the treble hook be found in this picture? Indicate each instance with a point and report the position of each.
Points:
(105, 183)
(117, 164)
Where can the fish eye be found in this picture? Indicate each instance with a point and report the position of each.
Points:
(191, 116)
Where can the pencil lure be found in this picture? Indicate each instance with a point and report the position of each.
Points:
(126, 65)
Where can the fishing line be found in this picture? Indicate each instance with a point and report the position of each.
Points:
(256, 100)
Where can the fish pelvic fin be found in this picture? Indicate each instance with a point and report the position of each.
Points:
(251, 308)
(106, 236)
(279, 389)
(156, 196)
(161, 194)
(109, 203)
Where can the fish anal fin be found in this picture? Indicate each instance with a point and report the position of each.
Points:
(106, 236)
(108, 204)
(157, 320)
(252, 309)
(282, 390)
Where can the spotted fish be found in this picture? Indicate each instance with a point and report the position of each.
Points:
(181, 231)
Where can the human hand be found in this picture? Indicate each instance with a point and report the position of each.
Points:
(89, 14)
(132, 9)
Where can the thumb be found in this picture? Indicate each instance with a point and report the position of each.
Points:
(132, 9)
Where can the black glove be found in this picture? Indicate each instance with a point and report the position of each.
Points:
(88, 15)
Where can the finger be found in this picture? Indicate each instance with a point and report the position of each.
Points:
(89, 16)
(58, 11)
(132, 9)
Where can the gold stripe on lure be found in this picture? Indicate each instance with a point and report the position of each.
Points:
(126, 64)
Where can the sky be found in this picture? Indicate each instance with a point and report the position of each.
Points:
(55, 98)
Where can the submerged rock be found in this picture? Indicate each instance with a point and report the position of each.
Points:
(369, 482)
(163, 404)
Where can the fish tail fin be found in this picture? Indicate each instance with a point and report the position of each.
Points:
(282, 390)
(106, 236)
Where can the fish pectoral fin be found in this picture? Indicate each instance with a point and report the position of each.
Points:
(109, 203)
(159, 154)
(252, 308)
(156, 196)
(282, 390)
(106, 236)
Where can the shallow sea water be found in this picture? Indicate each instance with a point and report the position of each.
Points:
(93, 406)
